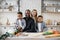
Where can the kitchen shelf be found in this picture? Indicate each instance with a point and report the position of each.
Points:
(8, 7)
(50, 12)
(53, 6)
(53, 25)
(9, 12)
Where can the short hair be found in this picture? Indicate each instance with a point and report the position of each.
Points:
(19, 13)
(28, 10)
(40, 16)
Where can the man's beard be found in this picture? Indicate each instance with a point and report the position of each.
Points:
(27, 15)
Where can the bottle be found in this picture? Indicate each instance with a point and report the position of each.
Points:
(7, 23)
(55, 22)
(4, 36)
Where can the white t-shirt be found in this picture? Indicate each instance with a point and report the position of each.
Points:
(20, 23)
(39, 27)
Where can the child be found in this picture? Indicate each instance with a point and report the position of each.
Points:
(40, 24)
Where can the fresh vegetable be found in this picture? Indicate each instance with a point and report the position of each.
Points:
(48, 33)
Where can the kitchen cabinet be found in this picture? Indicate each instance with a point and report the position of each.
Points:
(51, 10)
(8, 6)
(51, 6)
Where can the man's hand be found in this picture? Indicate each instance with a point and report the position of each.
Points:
(20, 29)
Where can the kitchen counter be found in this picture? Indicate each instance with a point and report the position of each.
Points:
(28, 36)
(32, 36)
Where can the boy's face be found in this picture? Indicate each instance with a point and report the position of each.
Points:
(19, 16)
(40, 19)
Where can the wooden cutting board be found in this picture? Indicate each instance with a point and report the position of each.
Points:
(53, 35)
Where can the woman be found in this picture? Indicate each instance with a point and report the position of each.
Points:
(34, 15)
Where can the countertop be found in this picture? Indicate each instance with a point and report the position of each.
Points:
(32, 36)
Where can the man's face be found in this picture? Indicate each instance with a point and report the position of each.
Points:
(40, 19)
(27, 13)
(19, 16)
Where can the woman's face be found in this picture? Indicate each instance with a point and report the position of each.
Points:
(34, 13)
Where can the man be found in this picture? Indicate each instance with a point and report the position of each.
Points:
(40, 24)
(20, 23)
(30, 24)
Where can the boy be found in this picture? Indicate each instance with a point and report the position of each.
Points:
(40, 24)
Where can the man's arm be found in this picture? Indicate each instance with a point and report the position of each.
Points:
(18, 27)
(23, 24)
(16, 24)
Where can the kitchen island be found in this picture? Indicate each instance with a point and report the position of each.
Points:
(27, 36)
(32, 36)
